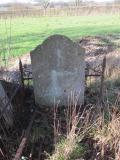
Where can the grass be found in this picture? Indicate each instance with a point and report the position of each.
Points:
(108, 136)
(68, 145)
(103, 131)
(67, 151)
(20, 35)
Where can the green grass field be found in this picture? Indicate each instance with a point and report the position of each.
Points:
(20, 35)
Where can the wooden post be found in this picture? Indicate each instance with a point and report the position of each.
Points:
(102, 79)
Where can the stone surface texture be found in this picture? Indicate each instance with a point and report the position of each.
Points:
(8, 115)
(58, 68)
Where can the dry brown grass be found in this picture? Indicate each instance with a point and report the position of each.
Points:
(107, 133)
(77, 126)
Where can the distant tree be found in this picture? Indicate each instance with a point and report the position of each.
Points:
(78, 2)
(117, 1)
(45, 3)
(18, 6)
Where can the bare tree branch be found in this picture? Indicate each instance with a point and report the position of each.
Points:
(44, 3)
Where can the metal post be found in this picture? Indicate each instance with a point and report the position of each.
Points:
(21, 73)
(102, 79)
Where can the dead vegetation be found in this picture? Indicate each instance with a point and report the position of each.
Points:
(101, 141)
(96, 139)
(74, 133)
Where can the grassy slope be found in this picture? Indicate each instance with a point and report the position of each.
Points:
(26, 33)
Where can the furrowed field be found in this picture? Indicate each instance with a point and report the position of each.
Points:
(20, 35)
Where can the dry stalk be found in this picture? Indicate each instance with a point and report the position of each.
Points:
(108, 134)
(77, 125)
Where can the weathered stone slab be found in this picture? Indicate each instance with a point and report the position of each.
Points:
(58, 68)
(8, 115)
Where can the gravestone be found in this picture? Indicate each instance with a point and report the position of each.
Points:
(58, 68)
(8, 114)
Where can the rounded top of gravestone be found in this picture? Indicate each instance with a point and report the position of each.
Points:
(58, 37)
(57, 41)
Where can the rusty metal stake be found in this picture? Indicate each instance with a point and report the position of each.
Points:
(102, 79)
(21, 74)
